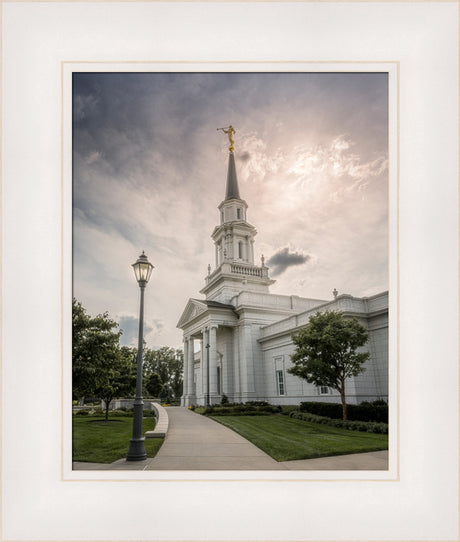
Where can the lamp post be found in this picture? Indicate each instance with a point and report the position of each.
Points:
(207, 375)
(143, 270)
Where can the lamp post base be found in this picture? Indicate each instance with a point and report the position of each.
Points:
(136, 450)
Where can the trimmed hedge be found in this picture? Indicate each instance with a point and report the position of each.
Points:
(116, 413)
(248, 409)
(287, 409)
(364, 412)
(369, 427)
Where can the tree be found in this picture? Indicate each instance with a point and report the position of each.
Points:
(153, 384)
(168, 363)
(117, 378)
(325, 353)
(100, 367)
(94, 340)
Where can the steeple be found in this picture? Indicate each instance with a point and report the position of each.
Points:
(232, 191)
(234, 244)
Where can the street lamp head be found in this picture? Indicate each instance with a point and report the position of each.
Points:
(142, 269)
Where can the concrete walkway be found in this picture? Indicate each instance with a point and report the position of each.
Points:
(195, 442)
(366, 461)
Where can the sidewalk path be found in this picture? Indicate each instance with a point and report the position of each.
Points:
(365, 461)
(195, 442)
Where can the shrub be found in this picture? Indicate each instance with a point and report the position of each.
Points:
(119, 413)
(370, 427)
(379, 402)
(242, 409)
(224, 400)
(287, 409)
(364, 412)
(82, 413)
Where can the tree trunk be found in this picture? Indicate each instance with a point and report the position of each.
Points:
(107, 404)
(344, 402)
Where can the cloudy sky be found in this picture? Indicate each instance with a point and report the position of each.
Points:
(149, 170)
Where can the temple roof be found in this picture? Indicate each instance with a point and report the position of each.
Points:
(215, 304)
(232, 191)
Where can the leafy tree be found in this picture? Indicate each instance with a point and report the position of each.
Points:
(325, 353)
(100, 367)
(118, 378)
(94, 340)
(168, 363)
(104, 369)
(176, 374)
(154, 385)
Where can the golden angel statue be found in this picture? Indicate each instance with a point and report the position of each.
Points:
(229, 131)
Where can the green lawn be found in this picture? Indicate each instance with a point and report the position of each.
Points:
(285, 439)
(98, 441)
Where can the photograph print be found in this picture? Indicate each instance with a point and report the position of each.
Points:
(230, 270)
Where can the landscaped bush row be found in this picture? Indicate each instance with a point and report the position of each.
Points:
(117, 413)
(364, 412)
(243, 409)
(287, 409)
(228, 412)
(369, 427)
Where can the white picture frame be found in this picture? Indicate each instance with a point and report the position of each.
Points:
(41, 498)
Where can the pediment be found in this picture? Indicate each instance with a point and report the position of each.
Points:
(193, 309)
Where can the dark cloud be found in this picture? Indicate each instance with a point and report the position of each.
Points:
(283, 259)
(244, 157)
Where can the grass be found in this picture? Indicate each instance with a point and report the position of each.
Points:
(286, 439)
(97, 441)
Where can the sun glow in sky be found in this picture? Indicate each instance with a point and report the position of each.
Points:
(149, 170)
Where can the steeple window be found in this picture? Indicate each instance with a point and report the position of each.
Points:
(240, 250)
(238, 214)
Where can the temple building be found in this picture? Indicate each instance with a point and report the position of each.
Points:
(244, 331)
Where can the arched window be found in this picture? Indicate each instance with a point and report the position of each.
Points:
(238, 213)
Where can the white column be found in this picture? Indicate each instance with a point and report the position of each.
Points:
(213, 361)
(185, 383)
(199, 379)
(247, 362)
(191, 355)
(205, 364)
(236, 364)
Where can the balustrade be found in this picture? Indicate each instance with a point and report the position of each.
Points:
(252, 271)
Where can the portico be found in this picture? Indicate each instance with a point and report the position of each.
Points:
(208, 346)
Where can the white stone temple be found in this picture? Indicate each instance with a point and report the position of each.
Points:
(244, 332)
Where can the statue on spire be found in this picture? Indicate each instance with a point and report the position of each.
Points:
(229, 131)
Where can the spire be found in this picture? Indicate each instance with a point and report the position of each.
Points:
(232, 191)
